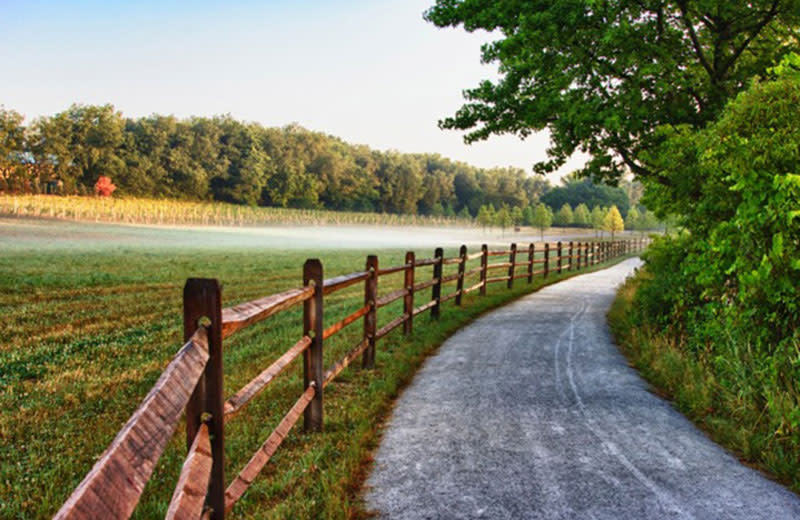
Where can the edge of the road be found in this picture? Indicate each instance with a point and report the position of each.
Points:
(358, 485)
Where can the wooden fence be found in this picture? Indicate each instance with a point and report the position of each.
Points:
(193, 380)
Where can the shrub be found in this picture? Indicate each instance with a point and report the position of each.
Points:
(104, 187)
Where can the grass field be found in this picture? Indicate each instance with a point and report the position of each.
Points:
(91, 315)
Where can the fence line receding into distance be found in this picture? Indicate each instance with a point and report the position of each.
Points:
(193, 380)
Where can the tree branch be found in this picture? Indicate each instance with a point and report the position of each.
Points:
(768, 17)
(695, 42)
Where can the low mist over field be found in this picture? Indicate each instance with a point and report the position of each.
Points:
(21, 234)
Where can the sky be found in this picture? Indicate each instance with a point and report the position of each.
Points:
(369, 71)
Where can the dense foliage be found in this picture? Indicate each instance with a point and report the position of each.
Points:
(602, 76)
(739, 259)
(729, 284)
(227, 160)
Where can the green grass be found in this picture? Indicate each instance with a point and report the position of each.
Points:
(86, 331)
(741, 412)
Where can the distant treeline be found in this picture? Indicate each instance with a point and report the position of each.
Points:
(223, 159)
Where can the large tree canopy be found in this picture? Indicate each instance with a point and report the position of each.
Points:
(602, 75)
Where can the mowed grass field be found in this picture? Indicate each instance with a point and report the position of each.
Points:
(91, 314)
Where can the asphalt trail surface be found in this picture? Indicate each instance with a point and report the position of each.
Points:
(531, 412)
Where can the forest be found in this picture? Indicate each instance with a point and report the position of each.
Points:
(226, 160)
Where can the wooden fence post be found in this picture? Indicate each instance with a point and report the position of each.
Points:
(578, 249)
(462, 253)
(371, 317)
(312, 356)
(484, 267)
(436, 292)
(560, 250)
(546, 259)
(571, 254)
(512, 258)
(202, 298)
(531, 257)
(408, 300)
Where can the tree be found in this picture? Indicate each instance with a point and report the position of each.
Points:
(581, 217)
(602, 76)
(648, 221)
(486, 216)
(564, 216)
(613, 221)
(104, 187)
(633, 219)
(542, 219)
(97, 136)
(503, 218)
(244, 179)
(527, 216)
(597, 217)
(464, 214)
(516, 216)
(12, 141)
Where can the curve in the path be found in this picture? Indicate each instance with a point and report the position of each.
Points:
(531, 412)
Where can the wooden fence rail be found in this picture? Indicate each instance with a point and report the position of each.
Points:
(193, 380)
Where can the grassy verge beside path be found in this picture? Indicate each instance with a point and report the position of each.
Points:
(726, 395)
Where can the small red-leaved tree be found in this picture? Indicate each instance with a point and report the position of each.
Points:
(104, 187)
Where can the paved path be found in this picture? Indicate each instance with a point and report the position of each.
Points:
(531, 412)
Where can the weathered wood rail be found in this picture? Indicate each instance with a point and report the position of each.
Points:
(193, 380)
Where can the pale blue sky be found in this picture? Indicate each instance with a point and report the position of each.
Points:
(371, 72)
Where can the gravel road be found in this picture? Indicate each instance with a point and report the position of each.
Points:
(531, 412)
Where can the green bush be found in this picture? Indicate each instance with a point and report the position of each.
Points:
(729, 286)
